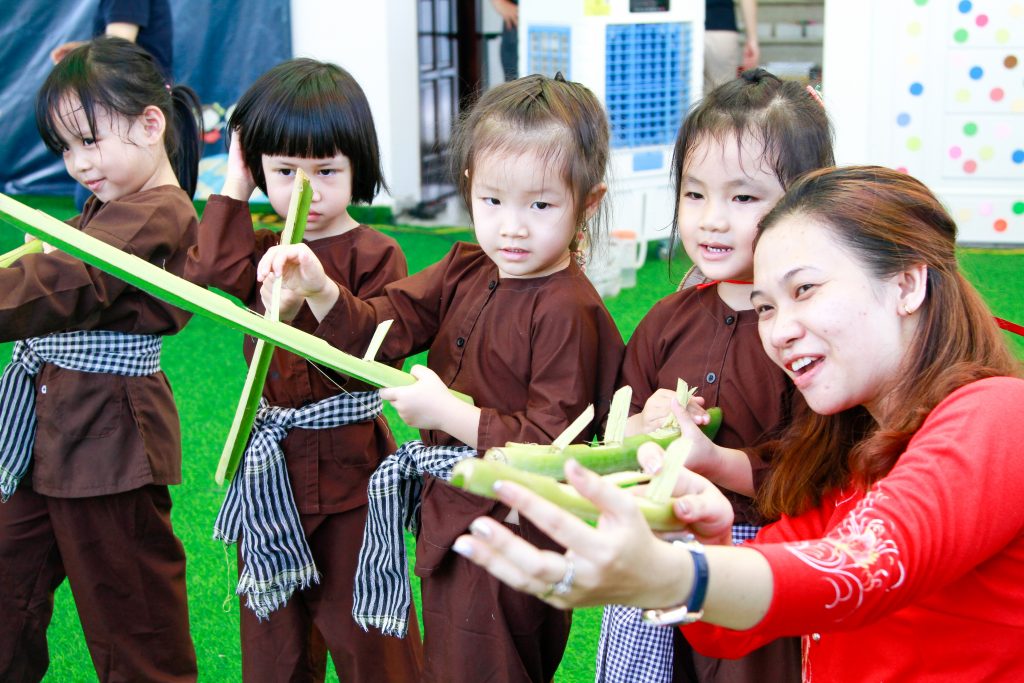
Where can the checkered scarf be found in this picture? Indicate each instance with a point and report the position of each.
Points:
(382, 593)
(98, 351)
(632, 651)
(260, 509)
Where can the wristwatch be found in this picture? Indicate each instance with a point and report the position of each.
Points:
(693, 609)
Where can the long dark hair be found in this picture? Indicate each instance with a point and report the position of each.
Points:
(561, 120)
(790, 124)
(310, 109)
(888, 221)
(119, 76)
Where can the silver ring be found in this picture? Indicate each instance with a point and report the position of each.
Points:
(564, 584)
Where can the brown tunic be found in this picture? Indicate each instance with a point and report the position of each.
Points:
(328, 468)
(692, 334)
(533, 353)
(100, 434)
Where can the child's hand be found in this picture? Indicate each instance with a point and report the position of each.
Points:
(301, 273)
(420, 405)
(428, 404)
(658, 409)
(238, 183)
(290, 301)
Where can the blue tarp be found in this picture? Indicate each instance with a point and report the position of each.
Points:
(220, 47)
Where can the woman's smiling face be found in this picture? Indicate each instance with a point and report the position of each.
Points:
(828, 321)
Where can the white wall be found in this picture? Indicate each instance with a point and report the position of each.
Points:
(375, 41)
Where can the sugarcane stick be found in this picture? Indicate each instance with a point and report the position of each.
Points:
(603, 459)
(256, 377)
(478, 476)
(191, 297)
(33, 246)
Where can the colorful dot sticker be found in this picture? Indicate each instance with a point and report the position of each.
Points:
(1000, 225)
(914, 29)
(1010, 61)
(913, 143)
(964, 6)
(1018, 156)
(1018, 208)
(985, 208)
(986, 153)
(970, 128)
(955, 152)
(916, 88)
(976, 72)
(903, 119)
(996, 94)
(970, 166)
(920, 3)
(1002, 35)
(981, 20)
(963, 95)
(961, 35)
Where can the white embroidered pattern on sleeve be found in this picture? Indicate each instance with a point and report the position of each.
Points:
(857, 556)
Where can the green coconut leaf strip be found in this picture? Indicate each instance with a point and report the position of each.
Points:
(615, 431)
(627, 479)
(256, 377)
(603, 459)
(660, 488)
(378, 338)
(196, 299)
(575, 429)
(478, 476)
(30, 247)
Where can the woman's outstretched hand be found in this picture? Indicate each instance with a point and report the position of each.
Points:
(620, 561)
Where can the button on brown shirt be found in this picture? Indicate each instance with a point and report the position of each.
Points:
(328, 468)
(533, 353)
(693, 335)
(99, 434)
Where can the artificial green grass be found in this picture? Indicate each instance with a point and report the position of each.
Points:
(205, 366)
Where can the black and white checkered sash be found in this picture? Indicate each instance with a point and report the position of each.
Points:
(382, 593)
(260, 508)
(98, 351)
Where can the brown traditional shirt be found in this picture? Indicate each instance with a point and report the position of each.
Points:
(693, 335)
(533, 353)
(328, 468)
(100, 434)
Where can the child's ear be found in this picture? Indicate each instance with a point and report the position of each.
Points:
(153, 124)
(593, 200)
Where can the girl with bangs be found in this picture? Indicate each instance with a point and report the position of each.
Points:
(318, 436)
(512, 321)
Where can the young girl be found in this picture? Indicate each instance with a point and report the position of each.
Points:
(897, 556)
(515, 324)
(328, 429)
(92, 505)
(736, 153)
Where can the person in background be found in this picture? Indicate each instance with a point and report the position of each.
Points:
(722, 57)
(509, 11)
(146, 23)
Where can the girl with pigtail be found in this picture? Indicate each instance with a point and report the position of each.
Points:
(89, 433)
(512, 321)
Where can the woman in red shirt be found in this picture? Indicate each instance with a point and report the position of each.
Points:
(899, 553)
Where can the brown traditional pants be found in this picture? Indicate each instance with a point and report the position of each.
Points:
(126, 569)
(290, 645)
